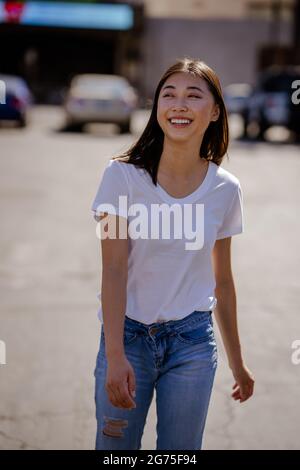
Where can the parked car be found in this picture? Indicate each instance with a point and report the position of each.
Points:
(18, 100)
(100, 98)
(271, 101)
(236, 97)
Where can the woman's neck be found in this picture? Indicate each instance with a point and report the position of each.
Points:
(180, 162)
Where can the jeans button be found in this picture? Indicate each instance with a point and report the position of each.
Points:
(153, 330)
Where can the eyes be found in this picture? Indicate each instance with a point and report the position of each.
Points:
(189, 96)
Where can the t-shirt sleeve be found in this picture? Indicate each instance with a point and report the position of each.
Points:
(113, 184)
(233, 221)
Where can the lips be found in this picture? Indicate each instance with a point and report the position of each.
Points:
(180, 118)
(179, 122)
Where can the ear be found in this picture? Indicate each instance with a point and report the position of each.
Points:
(215, 113)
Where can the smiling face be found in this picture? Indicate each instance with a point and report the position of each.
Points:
(185, 108)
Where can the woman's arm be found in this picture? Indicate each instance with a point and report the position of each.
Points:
(113, 289)
(226, 316)
(120, 380)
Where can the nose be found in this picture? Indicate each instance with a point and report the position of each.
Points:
(179, 104)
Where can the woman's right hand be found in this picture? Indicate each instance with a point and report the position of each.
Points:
(120, 383)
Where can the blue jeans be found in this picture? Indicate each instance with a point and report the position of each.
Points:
(179, 359)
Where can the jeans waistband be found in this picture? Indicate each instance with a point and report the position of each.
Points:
(174, 325)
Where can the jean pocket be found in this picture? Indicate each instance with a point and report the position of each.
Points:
(197, 334)
(129, 336)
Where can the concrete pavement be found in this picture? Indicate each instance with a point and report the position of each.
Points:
(49, 275)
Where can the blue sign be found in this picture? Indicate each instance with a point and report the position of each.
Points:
(68, 15)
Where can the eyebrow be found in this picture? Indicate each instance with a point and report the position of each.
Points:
(188, 88)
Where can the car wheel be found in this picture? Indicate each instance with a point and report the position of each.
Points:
(297, 137)
(125, 128)
(74, 127)
(263, 127)
(245, 129)
(22, 122)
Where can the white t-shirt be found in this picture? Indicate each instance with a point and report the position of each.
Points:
(167, 280)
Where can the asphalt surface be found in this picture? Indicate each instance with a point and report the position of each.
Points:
(50, 275)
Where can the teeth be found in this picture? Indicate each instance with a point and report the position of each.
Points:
(180, 121)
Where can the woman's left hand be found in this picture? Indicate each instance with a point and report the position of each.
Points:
(244, 385)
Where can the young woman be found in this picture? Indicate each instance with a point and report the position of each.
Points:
(159, 288)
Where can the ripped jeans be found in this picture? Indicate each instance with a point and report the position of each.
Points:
(179, 359)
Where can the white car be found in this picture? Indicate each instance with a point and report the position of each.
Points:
(236, 97)
(100, 98)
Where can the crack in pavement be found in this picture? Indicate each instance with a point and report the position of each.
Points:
(24, 444)
(33, 417)
(43, 414)
(230, 416)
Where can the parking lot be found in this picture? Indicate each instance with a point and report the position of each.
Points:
(50, 275)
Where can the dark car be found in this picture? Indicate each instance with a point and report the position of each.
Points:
(17, 99)
(271, 103)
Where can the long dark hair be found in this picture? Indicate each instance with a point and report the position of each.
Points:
(146, 152)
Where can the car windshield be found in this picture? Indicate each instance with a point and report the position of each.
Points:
(12, 83)
(105, 88)
(278, 83)
(237, 90)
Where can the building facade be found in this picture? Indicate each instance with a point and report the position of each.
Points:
(229, 35)
(232, 36)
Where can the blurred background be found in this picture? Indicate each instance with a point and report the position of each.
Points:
(77, 80)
